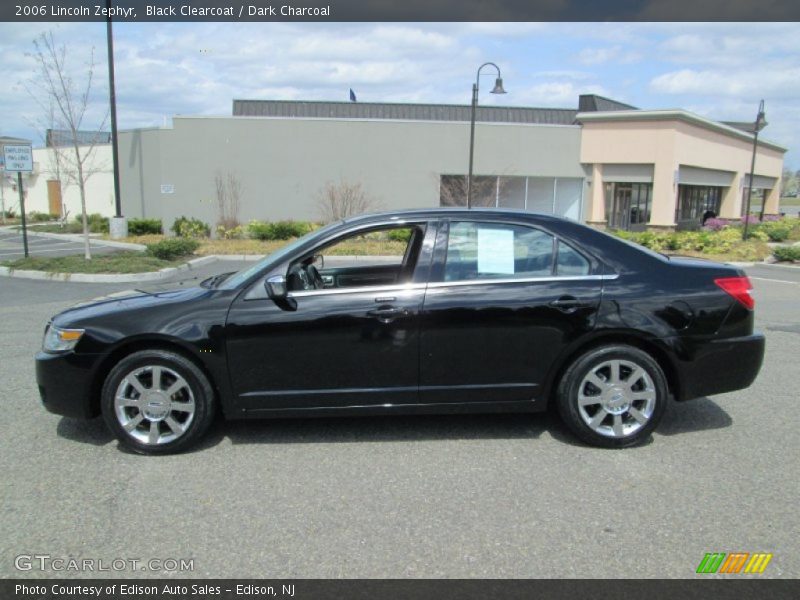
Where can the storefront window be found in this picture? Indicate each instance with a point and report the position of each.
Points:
(694, 201)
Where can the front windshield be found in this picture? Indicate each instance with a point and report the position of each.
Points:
(236, 280)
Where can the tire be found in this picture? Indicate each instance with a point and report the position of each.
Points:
(612, 396)
(162, 419)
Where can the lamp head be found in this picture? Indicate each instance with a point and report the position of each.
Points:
(761, 119)
(498, 86)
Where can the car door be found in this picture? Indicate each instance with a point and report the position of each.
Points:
(503, 300)
(329, 348)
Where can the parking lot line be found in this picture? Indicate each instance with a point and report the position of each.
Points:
(775, 280)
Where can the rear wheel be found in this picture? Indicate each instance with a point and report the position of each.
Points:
(157, 402)
(612, 396)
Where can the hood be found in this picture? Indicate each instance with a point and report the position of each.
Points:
(126, 300)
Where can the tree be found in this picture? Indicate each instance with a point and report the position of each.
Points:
(342, 200)
(229, 197)
(67, 101)
(789, 182)
(453, 190)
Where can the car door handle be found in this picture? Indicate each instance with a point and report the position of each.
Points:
(568, 303)
(386, 314)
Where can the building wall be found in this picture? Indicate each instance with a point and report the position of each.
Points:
(284, 164)
(99, 186)
(140, 169)
(667, 145)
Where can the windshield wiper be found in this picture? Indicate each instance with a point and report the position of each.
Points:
(215, 280)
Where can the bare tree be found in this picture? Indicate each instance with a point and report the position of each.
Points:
(789, 182)
(343, 199)
(68, 101)
(229, 199)
(453, 190)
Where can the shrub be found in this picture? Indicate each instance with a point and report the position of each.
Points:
(190, 228)
(10, 214)
(284, 230)
(259, 230)
(144, 226)
(38, 217)
(173, 248)
(750, 220)
(279, 230)
(777, 231)
(239, 232)
(788, 253)
(715, 224)
(97, 223)
(399, 235)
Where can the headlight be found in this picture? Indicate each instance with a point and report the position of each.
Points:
(60, 340)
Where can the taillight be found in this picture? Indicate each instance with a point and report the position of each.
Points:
(739, 288)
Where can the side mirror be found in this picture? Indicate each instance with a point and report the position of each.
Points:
(276, 287)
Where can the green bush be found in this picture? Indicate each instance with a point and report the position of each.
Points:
(399, 235)
(10, 214)
(788, 253)
(777, 231)
(38, 217)
(279, 230)
(234, 233)
(190, 228)
(97, 222)
(144, 226)
(722, 241)
(173, 248)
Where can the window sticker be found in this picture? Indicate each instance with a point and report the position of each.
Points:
(496, 251)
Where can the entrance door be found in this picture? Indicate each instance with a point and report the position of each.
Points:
(54, 196)
(620, 217)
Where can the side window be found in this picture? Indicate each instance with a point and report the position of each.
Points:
(497, 251)
(381, 256)
(379, 247)
(570, 262)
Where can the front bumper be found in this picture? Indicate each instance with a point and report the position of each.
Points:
(65, 383)
(721, 366)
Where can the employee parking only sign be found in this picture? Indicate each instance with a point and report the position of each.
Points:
(18, 159)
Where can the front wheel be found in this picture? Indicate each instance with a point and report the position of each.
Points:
(157, 402)
(612, 396)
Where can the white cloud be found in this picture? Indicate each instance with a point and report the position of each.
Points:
(774, 83)
(599, 56)
(557, 94)
(199, 68)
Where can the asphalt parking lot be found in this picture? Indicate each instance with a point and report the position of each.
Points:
(11, 246)
(449, 496)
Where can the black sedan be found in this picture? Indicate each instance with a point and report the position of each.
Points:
(469, 311)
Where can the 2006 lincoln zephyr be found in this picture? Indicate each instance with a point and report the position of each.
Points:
(480, 311)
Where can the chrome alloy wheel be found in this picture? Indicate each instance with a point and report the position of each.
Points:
(154, 405)
(616, 398)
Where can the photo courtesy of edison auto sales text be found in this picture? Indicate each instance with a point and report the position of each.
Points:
(132, 589)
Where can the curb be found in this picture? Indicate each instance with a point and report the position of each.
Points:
(78, 237)
(107, 277)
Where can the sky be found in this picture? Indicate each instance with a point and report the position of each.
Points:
(717, 70)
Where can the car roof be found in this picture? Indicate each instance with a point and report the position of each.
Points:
(452, 212)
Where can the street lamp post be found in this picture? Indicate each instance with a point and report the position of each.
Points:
(758, 125)
(118, 225)
(498, 89)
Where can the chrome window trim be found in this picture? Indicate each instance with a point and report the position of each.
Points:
(379, 289)
(411, 287)
(444, 284)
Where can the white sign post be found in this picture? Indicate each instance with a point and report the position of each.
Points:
(19, 160)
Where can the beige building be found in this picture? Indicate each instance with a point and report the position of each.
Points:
(667, 168)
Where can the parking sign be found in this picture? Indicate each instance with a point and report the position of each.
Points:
(18, 159)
